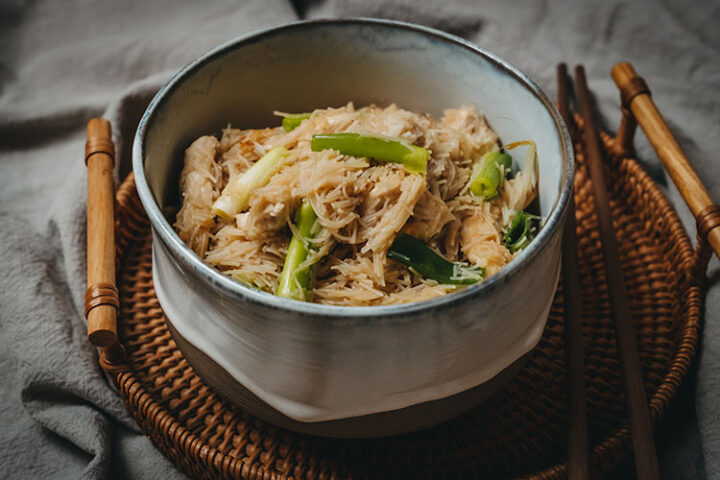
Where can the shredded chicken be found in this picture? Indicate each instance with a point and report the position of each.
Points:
(480, 242)
(431, 214)
(199, 184)
(361, 204)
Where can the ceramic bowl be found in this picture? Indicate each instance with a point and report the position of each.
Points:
(350, 371)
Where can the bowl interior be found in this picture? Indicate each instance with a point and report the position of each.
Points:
(329, 64)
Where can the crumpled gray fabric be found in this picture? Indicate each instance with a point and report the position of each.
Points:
(64, 62)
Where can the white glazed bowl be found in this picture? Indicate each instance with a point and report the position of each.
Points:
(350, 371)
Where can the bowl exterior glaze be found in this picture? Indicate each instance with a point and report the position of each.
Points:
(318, 363)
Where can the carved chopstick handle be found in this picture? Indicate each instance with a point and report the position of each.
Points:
(101, 299)
(636, 98)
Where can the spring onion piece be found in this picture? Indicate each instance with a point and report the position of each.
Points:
(422, 259)
(531, 163)
(234, 198)
(521, 231)
(382, 149)
(488, 174)
(241, 278)
(297, 282)
(291, 121)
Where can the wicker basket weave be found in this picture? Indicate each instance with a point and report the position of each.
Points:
(519, 432)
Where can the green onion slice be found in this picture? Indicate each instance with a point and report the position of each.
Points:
(521, 231)
(236, 194)
(489, 173)
(380, 148)
(420, 258)
(530, 167)
(296, 281)
(291, 121)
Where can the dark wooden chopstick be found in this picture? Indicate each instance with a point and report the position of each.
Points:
(646, 463)
(575, 350)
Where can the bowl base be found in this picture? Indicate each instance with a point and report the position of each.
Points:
(384, 424)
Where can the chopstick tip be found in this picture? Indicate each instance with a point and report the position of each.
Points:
(579, 70)
(99, 127)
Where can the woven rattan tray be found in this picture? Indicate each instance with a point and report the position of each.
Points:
(520, 431)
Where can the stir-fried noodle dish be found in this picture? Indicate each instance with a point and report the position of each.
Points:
(368, 206)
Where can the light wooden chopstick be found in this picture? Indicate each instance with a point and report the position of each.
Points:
(101, 298)
(636, 97)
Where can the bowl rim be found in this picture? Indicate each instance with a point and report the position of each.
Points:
(213, 278)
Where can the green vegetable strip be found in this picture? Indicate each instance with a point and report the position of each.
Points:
(293, 120)
(413, 253)
(520, 232)
(294, 282)
(236, 195)
(488, 174)
(382, 149)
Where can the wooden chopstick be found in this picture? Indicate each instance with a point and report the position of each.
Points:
(646, 463)
(578, 468)
(101, 299)
(636, 97)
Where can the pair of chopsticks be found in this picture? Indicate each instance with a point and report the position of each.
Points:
(645, 454)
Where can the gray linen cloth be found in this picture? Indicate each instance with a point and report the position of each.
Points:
(64, 62)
